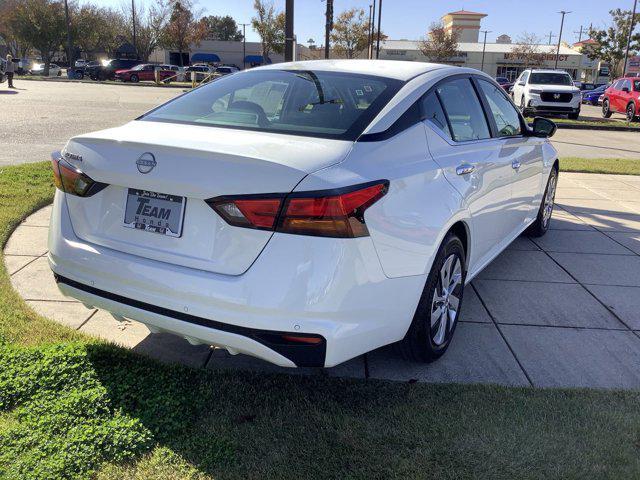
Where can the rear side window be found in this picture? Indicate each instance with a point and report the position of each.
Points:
(626, 83)
(433, 113)
(299, 102)
(636, 85)
(463, 110)
(503, 112)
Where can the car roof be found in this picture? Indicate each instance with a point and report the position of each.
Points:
(400, 70)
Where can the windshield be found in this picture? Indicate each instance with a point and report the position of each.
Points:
(550, 78)
(138, 67)
(317, 104)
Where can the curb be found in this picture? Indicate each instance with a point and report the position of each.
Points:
(610, 128)
(96, 82)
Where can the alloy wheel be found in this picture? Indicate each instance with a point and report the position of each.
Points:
(605, 107)
(549, 199)
(446, 299)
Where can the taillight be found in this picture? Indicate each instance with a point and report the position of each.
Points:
(326, 213)
(71, 180)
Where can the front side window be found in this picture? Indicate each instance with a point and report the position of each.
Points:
(503, 112)
(463, 110)
(550, 78)
(627, 84)
(524, 77)
(636, 85)
(311, 103)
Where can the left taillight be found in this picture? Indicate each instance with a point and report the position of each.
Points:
(327, 213)
(71, 180)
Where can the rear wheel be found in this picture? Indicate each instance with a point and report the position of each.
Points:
(606, 111)
(541, 225)
(631, 112)
(438, 310)
(134, 78)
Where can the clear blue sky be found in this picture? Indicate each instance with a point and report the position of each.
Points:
(409, 19)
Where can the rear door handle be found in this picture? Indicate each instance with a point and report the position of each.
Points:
(464, 169)
(515, 164)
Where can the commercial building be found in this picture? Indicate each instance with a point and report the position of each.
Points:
(502, 58)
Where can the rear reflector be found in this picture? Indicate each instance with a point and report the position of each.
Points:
(325, 213)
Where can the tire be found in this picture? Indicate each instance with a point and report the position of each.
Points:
(574, 115)
(79, 75)
(134, 78)
(606, 111)
(631, 112)
(430, 333)
(522, 107)
(543, 220)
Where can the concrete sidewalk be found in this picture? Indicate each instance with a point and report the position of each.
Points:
(559, 311)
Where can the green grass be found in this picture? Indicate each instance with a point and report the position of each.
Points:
(71, 407)
(616, 166)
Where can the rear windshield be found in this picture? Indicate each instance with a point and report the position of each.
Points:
(550, 79)
(310, 103)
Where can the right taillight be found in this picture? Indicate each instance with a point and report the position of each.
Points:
(325, 213)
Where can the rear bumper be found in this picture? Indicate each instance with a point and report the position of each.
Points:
(332, 288)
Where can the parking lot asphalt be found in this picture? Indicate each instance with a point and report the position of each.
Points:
(40, 116)
(558, 311)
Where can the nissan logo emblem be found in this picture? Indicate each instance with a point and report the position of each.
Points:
(146, 162)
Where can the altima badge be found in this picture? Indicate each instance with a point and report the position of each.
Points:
(146, 162)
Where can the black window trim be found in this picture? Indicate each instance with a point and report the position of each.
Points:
(489, 113)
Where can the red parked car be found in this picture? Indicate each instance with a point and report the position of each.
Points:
(623, 96)
(144, 71)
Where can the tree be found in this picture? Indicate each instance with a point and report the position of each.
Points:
(222, 28)
(96, 29)
(527, 49)
(350, 33)
(183, 28)
(270, 27)
(439, 45)
(612, 41)
(17, 49)
(150, 25)
(312, 44)
(40, 23)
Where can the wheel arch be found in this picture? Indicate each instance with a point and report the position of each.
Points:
(462, 231)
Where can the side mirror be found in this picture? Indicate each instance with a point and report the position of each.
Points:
(625, 89)
(543, 127)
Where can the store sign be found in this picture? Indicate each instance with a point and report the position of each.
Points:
(633, 64)
(551, 57)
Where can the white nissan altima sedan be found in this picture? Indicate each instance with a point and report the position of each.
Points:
(303, 213)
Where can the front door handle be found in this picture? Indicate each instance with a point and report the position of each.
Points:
(464, 169)
(515, 164)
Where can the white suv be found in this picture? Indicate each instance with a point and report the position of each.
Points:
(547, 91)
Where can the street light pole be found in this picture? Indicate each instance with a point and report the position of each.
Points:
(626, 52)
(484, 46)
(133, 19)
(373, 29)
(369, 34)
(288, 31)
(560, 36)
(327, 27)
(379, 21)
(69, 46)
(244, 45)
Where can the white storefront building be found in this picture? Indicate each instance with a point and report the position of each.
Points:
(500, 59)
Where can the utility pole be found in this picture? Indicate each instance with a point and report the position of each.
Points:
(560, 36)
(244, 45)
(373, 29)
(580, 33)
(328, 27)
(551, 35)
(288, 31)
(484, 46)
(626, 52)
(369, 33)
(69, 46)
(133, 18)
(379, 21)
